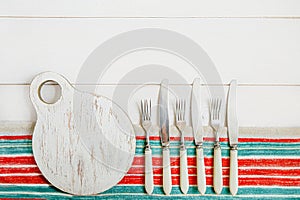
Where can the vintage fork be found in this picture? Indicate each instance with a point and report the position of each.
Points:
(215, 121)
(146, 124)
(181, 124)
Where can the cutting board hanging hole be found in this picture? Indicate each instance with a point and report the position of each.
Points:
(49, 89)
(50, 92)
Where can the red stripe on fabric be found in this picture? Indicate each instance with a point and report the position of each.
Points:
(209, 181)
(24, 170)
(207, 139)
(289, 140)
(17, 160)
(178, 138)
(269, 172)
(38, 179)
(193, 171)
(158, 180)
(15, 137)
(174, 171)
(283, 140)
(126, 180)
(270, 162)
(255, 162)
(157, 161)
(269, 181)
(175, 161)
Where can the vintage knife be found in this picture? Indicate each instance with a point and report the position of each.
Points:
(198, 134)
(233, 137)
(164, 135)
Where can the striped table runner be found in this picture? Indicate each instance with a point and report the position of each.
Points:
(268, 168)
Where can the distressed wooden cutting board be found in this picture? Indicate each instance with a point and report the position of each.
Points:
(83, 144)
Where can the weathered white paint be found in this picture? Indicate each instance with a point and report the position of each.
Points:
(83, 144)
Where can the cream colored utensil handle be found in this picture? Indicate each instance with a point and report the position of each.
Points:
(184, 175)
(201, 178)
(233, 176)
(218, 179)
(167, 178)
(149, 185)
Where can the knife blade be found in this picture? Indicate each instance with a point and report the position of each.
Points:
(198, 134)
(232, 124)
(196, 112)
(164, 135)
(232, 117)
(163, 113)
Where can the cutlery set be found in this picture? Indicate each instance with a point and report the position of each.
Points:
(80, 147)
(216, 117)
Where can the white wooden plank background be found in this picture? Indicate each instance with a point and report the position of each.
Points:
(257, 105)
(150, 8)
(256, 42)
(254, 51)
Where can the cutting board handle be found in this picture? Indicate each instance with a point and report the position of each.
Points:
(40, 80)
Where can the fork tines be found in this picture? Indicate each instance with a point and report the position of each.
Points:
(146, 109)
(180, 109)
(215, 107)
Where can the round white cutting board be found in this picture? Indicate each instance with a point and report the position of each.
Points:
(83, 144)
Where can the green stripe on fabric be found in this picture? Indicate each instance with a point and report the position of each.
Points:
(11, 150)
(247, 145)
(159, 190)
(118, 192)
(225, 152)
(31, 188)
(259, 146)
(16, 150)
(141, 143)
(268, 152)
(255, 145)
(130, 197)
(15, 142)
(14, 145)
